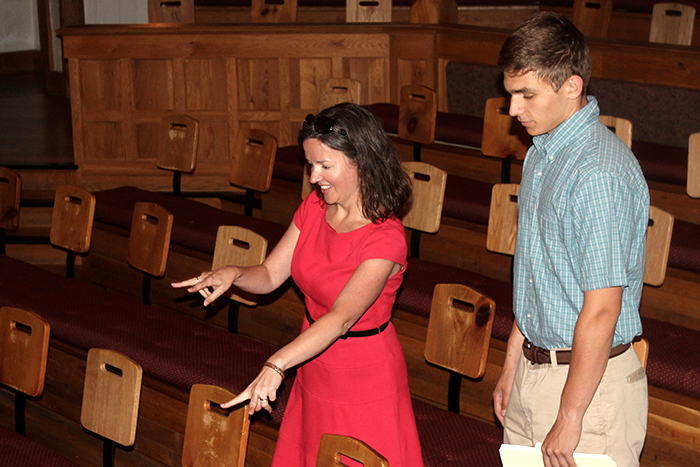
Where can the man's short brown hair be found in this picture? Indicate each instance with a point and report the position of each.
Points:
(551, 47)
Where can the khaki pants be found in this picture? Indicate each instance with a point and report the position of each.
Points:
(614, 424)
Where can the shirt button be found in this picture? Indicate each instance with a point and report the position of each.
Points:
(539, 174)
(529, 315)
(551, 158)
(530, 281)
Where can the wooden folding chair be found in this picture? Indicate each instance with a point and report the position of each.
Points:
(641, 348)
(177, 147)
(368, 11)
(503, 136)
(658, 243)
(10, 189)
(171, 11)
(417, 114)
(459, 335)
(273, 11)
(423, 211)
(592, 17)
(242, 247)
(434, 12)
(672, 23)
(693, 187)
(71, 222)
(24, 347)
(503, 218)
(620, 126)
(332, 448)
(338, 90)
(111, 398)
(214, 437)
(252, 162)
(149, 242)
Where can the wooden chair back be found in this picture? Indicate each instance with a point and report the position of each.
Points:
(503, 135)
(149, 240)
(641, 348)
(417, 114)
(214, 437)
(503, 218)
(592, 17)
(273, 11)
(459, 330)
(424, 209)
(111, 396)
(338, 90)
(620, 126)
(693, 187)
(179, 138)
(24, 347)
(171, 11)
(672, 23)
(72, 218)
(242, 247)
(434, 12)
(10, 190)
(253, 159)
(332, 448)
(658, 243)
(368, 11)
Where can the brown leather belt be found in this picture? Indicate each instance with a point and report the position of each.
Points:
(538, 355)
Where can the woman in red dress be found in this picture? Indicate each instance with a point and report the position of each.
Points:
(346, 251)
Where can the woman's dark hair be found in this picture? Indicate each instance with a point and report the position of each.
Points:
(356, 132)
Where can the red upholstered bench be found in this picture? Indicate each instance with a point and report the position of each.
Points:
(19, 451)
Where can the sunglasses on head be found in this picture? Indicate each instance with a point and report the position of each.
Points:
(324, 125)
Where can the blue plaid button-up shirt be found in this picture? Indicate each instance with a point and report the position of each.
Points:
(583, 211)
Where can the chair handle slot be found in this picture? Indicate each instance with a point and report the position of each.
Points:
(216, 408)
(421, 177)
(240, 244)
(255, 142)
(513, 199)
(676, 13)
(462, 305)
(5, 180)
(21, 327)
(74, 200)
(170, 4)
(113, 369)
(593, 5)
(417, 97)
(339, 89)
(650, 223)
(369, 3)
(150, 219)
(504, 111)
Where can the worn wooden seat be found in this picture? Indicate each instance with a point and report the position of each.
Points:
(241, 247)
(24, 347)
(171, 11)
(368, 11)
(111, 398)
(332, 448)
(214, 437)
(459, 335)
(177, 147)
(693, 186)
(672, 23)
(71, 222)
(503, 136)
(338, 90)
(434, 12)
(252, 162)
(417, 116)
(620, 126)
(10, 189)
(592, 17)
(273, 11)
(149, 243)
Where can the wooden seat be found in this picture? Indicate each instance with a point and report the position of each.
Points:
(503, 136)
(693, 187)
(592, 17)
(672, 23)
(658, 242)
(24, 347)
(338, 90)
(71, 222)
(423, 212)
(417, 116)
(111, 396)
(10, 189)
(177, 149)
(333, 448)
(171, 11)
(214, 436)
(459, 334)
(149, 242)
(434, 12)
(241, 247)
(252, 162)
(273, 11)
(368, 11)
(620, 126)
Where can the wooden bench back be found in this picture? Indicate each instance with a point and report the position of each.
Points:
(338, 90)
(694, 166)
(434, 12)
(658, 243)
(179, 139)
(672, 23)
(171, 11)
(10, 190)
(241, 247)
(503, 135)
(24, 347)
(641, 348)
(368, 11)
(424, 210)
(273, 11)
(253, 159)
(458, 336)
(214, 437)
(592, 17)
(72, 218)
(149, 240)
(111, 396)
(333, 447)
(620, 126)
(417, 114)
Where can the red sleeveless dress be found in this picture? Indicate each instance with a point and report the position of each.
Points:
(358, 386)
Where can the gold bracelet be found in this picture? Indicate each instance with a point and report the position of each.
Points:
(274, 367)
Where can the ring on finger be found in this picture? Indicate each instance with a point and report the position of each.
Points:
(199, 279)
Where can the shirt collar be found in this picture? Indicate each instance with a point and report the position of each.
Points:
(550, 143)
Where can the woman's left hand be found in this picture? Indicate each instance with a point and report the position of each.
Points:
(260, 392)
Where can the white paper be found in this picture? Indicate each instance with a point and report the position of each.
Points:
(526, 456)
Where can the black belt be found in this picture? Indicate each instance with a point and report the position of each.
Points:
(365, 333)
(538, 355)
